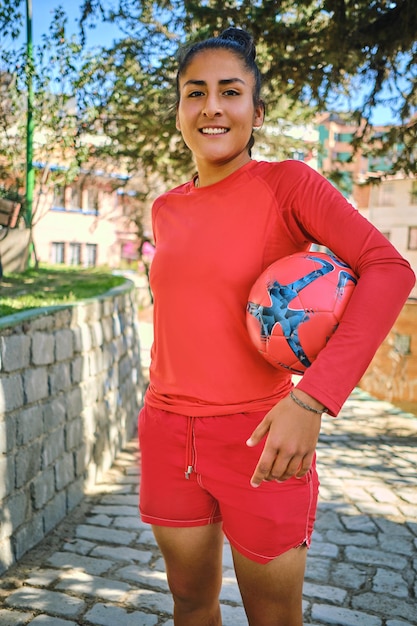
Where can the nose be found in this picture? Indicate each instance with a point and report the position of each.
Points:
(212, 107)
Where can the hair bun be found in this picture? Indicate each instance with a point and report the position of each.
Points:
(242, 39)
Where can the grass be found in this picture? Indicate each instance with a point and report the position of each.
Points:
(52, 285)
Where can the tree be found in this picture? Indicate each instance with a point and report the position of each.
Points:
(53, 71)
(323, 53)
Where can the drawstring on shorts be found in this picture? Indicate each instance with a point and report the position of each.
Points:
(189, 453)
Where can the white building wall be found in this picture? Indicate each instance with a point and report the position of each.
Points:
(393, 211)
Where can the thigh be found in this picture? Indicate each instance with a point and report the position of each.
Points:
(167, 497)
(260, 523)
(193, 560)
(272, 593)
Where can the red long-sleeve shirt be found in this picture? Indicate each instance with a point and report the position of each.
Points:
(211, 245)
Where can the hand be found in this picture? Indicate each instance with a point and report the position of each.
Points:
(290, 445)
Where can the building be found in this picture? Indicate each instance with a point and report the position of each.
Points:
(87, 222)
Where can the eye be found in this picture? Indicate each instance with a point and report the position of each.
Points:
(231, 92)
(195, 94)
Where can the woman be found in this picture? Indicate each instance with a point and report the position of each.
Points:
(227, 445)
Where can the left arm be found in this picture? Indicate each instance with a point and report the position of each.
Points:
(319, 213)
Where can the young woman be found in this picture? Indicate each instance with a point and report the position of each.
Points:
(227, 445)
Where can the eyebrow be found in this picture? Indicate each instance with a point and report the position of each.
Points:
(223, 81)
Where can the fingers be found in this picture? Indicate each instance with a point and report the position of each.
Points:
(290, 444)
(275, 466)
(259, 433)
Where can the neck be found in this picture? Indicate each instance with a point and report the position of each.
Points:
(211, 175)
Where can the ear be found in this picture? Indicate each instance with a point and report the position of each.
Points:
(177, 121)
(259, 115)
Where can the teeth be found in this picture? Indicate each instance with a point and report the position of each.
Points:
(214, 131)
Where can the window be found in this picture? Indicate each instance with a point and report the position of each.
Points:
(59, 196)
(386, 195)
(75, 197)
(90, 255)
(92, 200)
(58, 252)
(413, 195)
(75, 254)
(412, 238)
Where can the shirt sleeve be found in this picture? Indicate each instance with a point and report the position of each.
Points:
(319, 213)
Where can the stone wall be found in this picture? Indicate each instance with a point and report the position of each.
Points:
(70, 391)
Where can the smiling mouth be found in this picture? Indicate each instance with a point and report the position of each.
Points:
(214, 131)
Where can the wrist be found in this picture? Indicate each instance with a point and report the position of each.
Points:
(307, 402)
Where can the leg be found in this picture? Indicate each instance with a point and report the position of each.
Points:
(272, 593)
(193, 559)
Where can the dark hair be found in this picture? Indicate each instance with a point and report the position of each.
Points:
(237, 41)
(234, 39)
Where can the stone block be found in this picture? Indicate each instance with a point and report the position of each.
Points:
(27, 463)
(59, 378)
(53, 447)
(64, 470)
(54, 413)
(43, 488)
(74, 403)
(35, 382)
(28, 535)
(15, 352)
(7, 475)
(14, 511)
(7, 434)
(11, 393)
(64, 344)
(43, 348)
(29, 424)
(74, 434)
(54, 511)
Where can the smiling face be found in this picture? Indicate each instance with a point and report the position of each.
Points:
(216, 112)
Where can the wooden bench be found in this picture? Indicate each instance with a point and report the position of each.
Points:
(9, 213)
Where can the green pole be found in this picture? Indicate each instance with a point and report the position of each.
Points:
(30, 125)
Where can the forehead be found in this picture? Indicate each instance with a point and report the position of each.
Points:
(216, 63)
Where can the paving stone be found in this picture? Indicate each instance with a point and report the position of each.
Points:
(325, 614)
(80, 546)
(334, 595)
(120, 500)
(150, 600)
(122, 554)
(108, 615)
(101, 509)
(233, 615)
(12, 618)
(83, 584)
(44, 600)
(100, 520)
(386, 605)
(375, 557)
(349, 576)
(147, 577)
(107, 535)
(393, 583)
(70, 560)
(132, 523)
(42, 578)
(46, 620)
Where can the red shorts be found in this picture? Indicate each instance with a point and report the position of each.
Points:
(261, 523)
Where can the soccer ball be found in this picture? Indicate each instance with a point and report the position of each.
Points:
(295, 306)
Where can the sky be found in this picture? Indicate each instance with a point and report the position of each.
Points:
(42, 14)
(106, 33)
